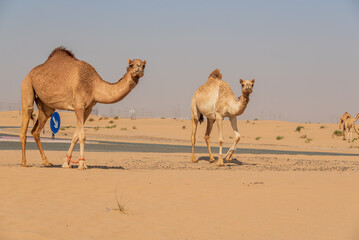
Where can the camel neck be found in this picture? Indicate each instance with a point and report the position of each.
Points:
(113, 92)
(241, 104)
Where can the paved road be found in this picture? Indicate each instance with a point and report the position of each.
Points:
(7, 142)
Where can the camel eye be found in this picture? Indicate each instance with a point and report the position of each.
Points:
(143, 66)
(131, 65)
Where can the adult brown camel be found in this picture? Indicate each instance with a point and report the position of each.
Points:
(348, 126)
(66, 83)
(216, 100)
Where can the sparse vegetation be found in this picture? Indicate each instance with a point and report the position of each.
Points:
(248, 121)
(112, 126)
(256, 119)
(303, 136)
(62, 129)
(338, 133)
(110, 122)
(351, 146)
(321, 127)
(120, 206)
(354, 139)
(134, 127)
(100, 118)
(91, 120)
(257, 138)
(183, 127)
(116, 117)
(308, 140)
(96, 128)
(123, 129)
(230, 137)
(163, 118)
(299, 128)
(279, 137)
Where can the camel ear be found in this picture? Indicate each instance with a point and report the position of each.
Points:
(144, 62)
(241, 81)
(253, 80)
(129, 61)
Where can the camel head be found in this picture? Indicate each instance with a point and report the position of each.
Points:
(136, 67)
(247, 86)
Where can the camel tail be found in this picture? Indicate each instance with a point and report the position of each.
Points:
(201, 118)
(216, 74)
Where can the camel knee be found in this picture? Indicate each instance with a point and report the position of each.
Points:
(237, 137)
(221, 141)
(22, 137)
(36, 135)
(206, 138)
(193, 138)
(82, 138)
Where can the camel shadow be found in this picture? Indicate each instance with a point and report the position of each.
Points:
(89, 167)
(235, 161)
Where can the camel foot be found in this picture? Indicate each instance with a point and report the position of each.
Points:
(211, 160)
(194, 160)
(66, 165)
(220, 162)
(82, 165)
(47, 164)
(229, 159)
(25, 165)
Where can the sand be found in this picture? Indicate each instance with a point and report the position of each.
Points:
(165, 196)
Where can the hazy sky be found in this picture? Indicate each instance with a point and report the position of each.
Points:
(303, 54)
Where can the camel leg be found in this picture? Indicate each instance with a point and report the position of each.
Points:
(206, 137)
(80, 116)
(26, 115)
(344, 132)
(44, 114)
(27, 108)
(228, 156)
(350, 134)
(75, 138)
(219, 120)
(193, 138)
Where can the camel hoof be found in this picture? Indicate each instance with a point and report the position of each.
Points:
(211, 160)
(220, 163)
(47, 164)
(194, 160)
(25, 165)
(82, 165)
(66, 165)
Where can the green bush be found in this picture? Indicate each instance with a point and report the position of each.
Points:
(299, 128)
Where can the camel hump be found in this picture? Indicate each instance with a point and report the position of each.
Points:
(216, 74)
(61, 49)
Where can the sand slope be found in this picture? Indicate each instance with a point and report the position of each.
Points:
(167, 197)
(44, 203)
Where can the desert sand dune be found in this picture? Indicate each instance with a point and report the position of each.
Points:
(165, 196)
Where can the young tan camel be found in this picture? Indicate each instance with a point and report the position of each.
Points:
(216, 100)
(66, 83)
(343, 118)
(349, 125)
(341, 122)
